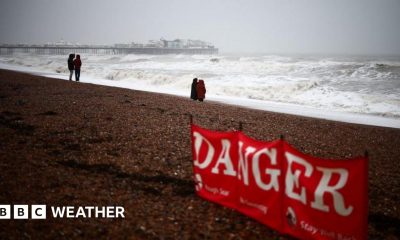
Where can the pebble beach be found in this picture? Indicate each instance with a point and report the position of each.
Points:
(77, 144)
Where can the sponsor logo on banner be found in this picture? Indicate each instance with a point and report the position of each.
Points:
(272, 182)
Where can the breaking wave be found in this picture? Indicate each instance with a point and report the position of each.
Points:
(361, 85)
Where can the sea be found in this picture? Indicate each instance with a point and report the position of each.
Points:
(357, 89)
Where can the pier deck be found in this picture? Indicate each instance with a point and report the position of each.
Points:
(64, 50)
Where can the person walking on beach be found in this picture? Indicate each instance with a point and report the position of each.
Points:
(201, 90)
(71, 65)
(193, 93)
(77, 65)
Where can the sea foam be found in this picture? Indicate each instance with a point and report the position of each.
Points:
(368, 87)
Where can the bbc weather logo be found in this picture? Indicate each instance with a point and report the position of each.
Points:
(39, 212)
(22, 212)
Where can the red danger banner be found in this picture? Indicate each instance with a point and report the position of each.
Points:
(272, 182)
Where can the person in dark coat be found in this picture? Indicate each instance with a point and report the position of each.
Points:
(77, 65)
(193, 93)
(71, 65)
(201, 90)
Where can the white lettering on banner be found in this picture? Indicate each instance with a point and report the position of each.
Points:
(258, 206)
(344, 237)
(292, 179)
(216, 191)
(327, 234)
(322, 188)
(308, 227)
(211, 189)
(338, 200)
(225, 159)
(199, 182)
(197, 144)
(224, 192)
(293, 187)
(273, 172)
(242, 165)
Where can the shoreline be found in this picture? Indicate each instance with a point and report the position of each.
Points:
(79, 144)
(277, 107)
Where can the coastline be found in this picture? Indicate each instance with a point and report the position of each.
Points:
(83, 144)
(278, 107)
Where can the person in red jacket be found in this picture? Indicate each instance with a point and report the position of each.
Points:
(77, 65)
(201, 90)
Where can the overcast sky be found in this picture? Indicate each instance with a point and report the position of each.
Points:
(264, 26)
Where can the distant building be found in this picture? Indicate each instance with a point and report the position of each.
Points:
(155, 44)
(122, 45)
(185, 43)
(129, 45)
(197, 44)
(62, 42)
(177, 43)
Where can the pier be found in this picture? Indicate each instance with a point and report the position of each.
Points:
(7, 49)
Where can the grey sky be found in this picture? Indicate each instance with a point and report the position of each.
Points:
(280, 26)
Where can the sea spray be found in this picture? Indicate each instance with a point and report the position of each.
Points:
(346, 84)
